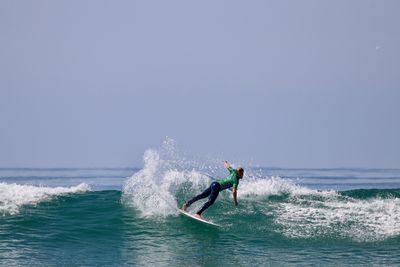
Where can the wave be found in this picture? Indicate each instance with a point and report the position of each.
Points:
(14, 196)
(372, 193)
(280, 205)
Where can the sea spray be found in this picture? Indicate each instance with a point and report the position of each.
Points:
(153, 189)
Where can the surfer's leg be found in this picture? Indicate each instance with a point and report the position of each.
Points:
(215, 188)
(205, 194)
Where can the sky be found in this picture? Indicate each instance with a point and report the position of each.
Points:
(283, 83)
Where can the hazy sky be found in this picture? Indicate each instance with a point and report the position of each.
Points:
(272, 83)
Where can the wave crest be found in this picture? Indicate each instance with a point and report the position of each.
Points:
(14, 196)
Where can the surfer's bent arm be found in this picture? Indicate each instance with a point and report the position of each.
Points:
(234, 193)
(228, 166)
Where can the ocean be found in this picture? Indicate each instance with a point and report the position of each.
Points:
(128, 217)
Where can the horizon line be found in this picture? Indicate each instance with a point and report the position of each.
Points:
(251, 167)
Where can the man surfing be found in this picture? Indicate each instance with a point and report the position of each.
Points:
(213, 190)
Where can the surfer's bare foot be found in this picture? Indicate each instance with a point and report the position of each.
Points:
(185, 206)
(199, 216)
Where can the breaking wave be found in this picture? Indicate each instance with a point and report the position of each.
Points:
(14, 196)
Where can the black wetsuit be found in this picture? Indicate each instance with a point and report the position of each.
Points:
(212, 191)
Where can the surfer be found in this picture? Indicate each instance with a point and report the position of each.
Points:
(213, 190)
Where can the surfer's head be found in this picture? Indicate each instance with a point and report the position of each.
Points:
(239, 172)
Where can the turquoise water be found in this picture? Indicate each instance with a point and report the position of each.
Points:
(94, 228)
(117, 217)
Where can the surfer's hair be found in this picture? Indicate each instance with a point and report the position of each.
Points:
(240, 171)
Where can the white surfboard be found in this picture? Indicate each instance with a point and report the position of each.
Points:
(197, 218)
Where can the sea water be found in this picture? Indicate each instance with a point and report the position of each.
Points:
(128, 217)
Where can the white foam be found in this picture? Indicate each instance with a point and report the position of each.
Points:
(360, 220)
(13, 196)
(275, 185)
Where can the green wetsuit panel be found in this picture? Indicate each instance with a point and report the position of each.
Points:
(231, 181)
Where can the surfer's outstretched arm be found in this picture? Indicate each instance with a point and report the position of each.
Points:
(226, 164)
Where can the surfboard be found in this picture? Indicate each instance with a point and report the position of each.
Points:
(192, 216)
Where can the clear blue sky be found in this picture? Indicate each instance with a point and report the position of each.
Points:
(274, 83)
